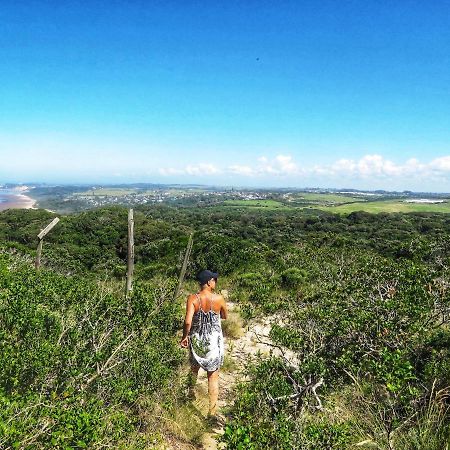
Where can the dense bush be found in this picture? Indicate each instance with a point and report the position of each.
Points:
(377, 322)
(75, 357)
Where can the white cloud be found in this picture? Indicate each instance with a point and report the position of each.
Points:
(241, 170)
(376, 166)
(170, 171)
(369, 167)
(201, 169)
(191, 169)
(286, 165)
(441, 164)
(278, 166)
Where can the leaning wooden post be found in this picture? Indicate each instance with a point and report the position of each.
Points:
(130, 258)
(185, 263)
(41, 236)
(37, 263)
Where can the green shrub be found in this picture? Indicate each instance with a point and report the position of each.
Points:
(75, 356)
(293, 277)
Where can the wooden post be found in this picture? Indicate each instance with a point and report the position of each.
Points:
(130, 259)
(183, 269)
(37, 263)
(41, 236)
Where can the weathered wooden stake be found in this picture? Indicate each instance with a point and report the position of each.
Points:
(41, 236)
(183, 269)
(37, 263)
(130, 259)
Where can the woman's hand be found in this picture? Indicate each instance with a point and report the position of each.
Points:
(184, 342)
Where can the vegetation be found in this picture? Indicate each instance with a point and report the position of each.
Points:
(270, 204)
(342, 203)
(359, 305)
(69, 199)
(391, 206)
(356, 320)
(78, 364)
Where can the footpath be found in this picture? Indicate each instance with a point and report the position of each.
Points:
(253, 339)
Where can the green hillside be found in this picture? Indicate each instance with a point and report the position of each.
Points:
(359, 301)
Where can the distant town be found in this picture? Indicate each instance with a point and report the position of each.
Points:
(72, 198)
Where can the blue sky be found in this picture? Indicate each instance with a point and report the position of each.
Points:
(280, 93)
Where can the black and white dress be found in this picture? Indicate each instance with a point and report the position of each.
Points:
(206, 339)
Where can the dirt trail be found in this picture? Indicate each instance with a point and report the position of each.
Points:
(253, 341)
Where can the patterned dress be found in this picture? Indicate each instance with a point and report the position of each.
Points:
(206, 339)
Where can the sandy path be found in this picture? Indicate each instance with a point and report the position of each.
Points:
(254, 340)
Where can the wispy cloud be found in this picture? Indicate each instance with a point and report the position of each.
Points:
(441, 164)
(241, 170)
(376, 166)
(372, 166)
(280, 165)
(191, 169)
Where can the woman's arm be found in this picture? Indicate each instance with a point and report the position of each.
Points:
(190, 309)
(223, 308)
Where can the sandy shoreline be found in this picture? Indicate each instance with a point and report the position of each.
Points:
(17, 201)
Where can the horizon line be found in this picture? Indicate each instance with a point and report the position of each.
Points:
(218, 186)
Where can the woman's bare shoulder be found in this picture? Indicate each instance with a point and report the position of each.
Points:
(218, 298)
(191, 298)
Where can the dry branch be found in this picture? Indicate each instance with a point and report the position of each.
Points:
(301, 391)
(109, 363)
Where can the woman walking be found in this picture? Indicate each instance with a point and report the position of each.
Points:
(202, 332)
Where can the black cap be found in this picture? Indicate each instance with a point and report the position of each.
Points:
(205, 275)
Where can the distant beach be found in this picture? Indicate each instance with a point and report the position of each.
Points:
(15, 199)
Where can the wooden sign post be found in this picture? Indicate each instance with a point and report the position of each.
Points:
(130, 258)
(183, 269)
(41, 236)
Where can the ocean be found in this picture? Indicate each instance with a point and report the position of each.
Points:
(10, 198)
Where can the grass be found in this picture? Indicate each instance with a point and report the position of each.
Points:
(388, 206)
(229, 364)
(233, 326)
(257, 204)
(117, 192)
(325, 198)
(373, 425)
(341, 204)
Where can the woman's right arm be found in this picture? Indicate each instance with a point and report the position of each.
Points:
(190, 309)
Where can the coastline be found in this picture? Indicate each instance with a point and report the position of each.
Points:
(17, 201)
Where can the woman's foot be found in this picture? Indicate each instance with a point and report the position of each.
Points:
(214, 420)
(191, 394)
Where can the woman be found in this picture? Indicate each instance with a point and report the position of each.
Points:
(202, 332)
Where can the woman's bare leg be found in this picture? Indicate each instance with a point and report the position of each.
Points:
(194, 373)
(193, 381)
(213, 391)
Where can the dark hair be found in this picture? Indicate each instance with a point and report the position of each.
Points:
(205, 275)
(206, 282)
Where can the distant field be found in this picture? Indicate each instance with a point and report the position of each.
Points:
(186, 190)
(117, 192)
(333, 203)
(388, 206)
(266, 204)
(325, 198)
(296, 201)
